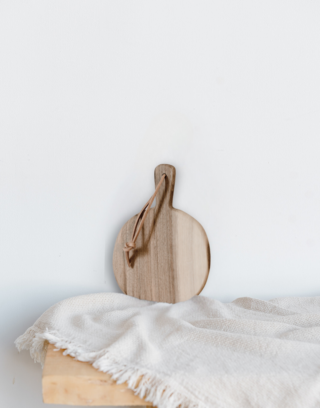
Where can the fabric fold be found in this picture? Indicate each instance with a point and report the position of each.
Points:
(194, 354)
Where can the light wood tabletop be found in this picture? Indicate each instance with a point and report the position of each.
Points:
(71, 382)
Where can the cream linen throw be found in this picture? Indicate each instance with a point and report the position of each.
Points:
(200, 353)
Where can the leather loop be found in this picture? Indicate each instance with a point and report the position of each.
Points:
(129, 245)
(139, 223)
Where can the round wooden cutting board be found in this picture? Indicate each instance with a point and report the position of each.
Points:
(171, 260)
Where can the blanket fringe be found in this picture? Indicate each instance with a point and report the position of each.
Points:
(149, 386)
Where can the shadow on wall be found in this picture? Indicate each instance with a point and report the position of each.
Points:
(108, 268)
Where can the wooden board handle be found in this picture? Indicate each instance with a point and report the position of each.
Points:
(165, 194)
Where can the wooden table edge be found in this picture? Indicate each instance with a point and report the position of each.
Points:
(71, 382)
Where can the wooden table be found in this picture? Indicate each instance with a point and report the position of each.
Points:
(68, 381)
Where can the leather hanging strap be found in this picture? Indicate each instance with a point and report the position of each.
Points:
(139, 222)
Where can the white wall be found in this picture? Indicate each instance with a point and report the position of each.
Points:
(95, 94)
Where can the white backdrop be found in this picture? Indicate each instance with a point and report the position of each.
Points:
(95, 94)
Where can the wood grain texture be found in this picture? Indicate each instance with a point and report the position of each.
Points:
(171, 261)
(71, 382)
